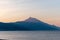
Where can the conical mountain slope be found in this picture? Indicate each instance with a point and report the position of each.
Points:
(29, 24)
(31, 19)
(35, 24)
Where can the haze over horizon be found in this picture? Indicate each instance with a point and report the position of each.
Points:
(18, 10)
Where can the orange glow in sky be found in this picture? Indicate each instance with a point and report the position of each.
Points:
(18, 10)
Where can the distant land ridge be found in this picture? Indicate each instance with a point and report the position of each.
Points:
(30, 24)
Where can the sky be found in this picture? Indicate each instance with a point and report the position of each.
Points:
(18, 10)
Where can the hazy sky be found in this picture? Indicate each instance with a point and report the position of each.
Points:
(45, 10)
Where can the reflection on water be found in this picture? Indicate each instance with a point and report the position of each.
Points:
(30, 35)
(3, 39)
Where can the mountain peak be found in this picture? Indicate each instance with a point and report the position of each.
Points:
(31, 19)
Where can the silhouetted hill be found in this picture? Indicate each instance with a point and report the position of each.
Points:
(29, 24)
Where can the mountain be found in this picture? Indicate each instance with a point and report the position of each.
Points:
(35, 24)
(30, 19)
(29, 24)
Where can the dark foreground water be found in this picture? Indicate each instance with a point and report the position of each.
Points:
(30, 35)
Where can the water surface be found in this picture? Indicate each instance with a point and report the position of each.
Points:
(30, 35)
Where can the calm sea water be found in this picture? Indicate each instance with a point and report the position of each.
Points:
(30, 35)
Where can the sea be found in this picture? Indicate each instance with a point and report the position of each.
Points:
(30, 35)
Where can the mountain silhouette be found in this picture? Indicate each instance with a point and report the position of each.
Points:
(31, 19)
(29, 24)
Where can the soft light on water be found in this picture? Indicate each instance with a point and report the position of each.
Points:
(30, 35)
